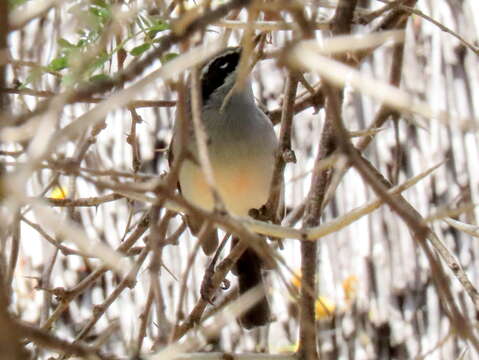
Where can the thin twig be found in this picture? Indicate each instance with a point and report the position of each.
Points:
(15, 248)
(137, 68)
(92, 201)
(50, 341)
(98, 310)
(284, 152)
(64, 249)
(441, 26)
(133, 104)
(222, 269)
(144, 318)
(420, 230)
(69, 295)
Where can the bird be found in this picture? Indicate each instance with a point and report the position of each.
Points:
(241, 144)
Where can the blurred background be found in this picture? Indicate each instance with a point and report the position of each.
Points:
(376, 298)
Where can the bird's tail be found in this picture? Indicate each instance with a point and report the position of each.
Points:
(248, 270)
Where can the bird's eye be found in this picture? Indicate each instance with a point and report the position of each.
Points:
(215, 74)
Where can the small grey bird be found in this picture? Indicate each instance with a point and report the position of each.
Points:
(241, 147)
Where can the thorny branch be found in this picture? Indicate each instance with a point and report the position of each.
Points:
(284, 153)
(410, 216)
(137, 68)
(307, 350)
(141, 189)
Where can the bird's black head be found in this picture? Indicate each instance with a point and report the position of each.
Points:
(215, 72)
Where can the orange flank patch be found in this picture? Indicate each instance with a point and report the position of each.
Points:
(200, 182)
(201, 192)
(241, 183)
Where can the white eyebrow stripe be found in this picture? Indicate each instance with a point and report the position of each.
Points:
(225, 53)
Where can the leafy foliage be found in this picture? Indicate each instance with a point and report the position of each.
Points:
(86, 58)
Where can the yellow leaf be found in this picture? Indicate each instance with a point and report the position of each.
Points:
(296, 280)
(288, 349)
(324, 307)
(58, 193)
(350, 288)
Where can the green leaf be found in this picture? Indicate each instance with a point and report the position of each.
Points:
(99, 77)
(81, 43)
(101, 4)
(152, 34)
(140, 49)
(58, 63)
(65, 43)
(168, 57)
(100, 60)
(14, 3)
(104, 14)
(160, 26)
(34, 75)
(68, 80)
